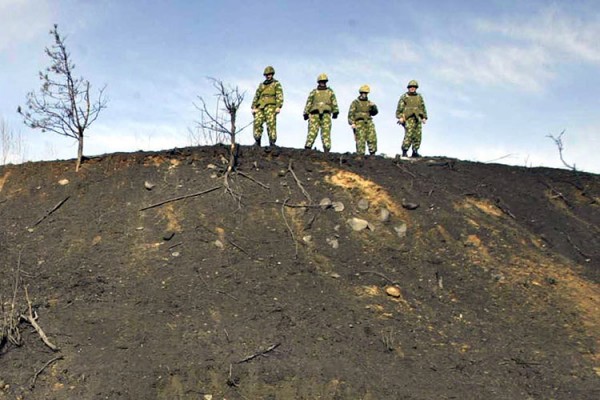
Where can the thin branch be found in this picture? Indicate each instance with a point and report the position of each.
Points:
(56, 207)
(33, 380)
(253, 180)
(32, 321)
(180, 198)
(289, 227)
(299, 183)
(260, 353)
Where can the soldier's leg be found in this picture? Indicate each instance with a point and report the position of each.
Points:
(359, 137)
(271, 117)
(326, 132)
(371, 136)
(313, 130)
(259, 120)
(408, 134)
(417, 134)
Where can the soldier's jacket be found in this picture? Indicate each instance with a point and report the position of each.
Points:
(411, 105)
(361, 110)
(268, 93)
(321, 101)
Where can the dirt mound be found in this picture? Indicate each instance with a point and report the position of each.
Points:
(310, 276)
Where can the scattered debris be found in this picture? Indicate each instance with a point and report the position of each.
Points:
(333, 242)
(56, 207)
(338, 206)
(401, 230)
(307, 239)
(149, 185)
(384, 215)
(260, 353)
(358, 224)
(363, 204)
(393, 291)
(63, 182)
(219, 244)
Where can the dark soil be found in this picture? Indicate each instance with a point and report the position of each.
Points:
(259, 293)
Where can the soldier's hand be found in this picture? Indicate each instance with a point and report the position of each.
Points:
(254, 110)
(353, 126)
(424, 120)
(277, 110)
(335, 115)
(306, 117)
(401, 120)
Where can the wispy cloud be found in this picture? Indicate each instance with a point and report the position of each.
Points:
(21, 21)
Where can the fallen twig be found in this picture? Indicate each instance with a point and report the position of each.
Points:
(504, 209)
(56, 207)
(253, 180)
(42, 369)
(381, 275)
(299, 183)
(586, 256)
(32, 321)
(294, 205)
(558, 194)
(288, 226)
(260, 353)
(180, 198)
(405, 170)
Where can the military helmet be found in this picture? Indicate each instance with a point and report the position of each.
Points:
(322, 77)
(364, 89)
(413, 83)
(269, 71)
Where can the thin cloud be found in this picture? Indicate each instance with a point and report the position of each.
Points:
(22, 21)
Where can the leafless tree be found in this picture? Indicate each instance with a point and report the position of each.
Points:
(205, 132)
(63, 104)
(12, 148)
(559, 144)
(223, 121)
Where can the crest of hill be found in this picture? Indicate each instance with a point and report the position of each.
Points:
(301, 275)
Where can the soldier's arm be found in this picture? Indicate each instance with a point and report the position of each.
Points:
(334, 104)
(400, 108)
(309, 102)
(424, 108)
(278, 95)
(351, 113)
(256, 97)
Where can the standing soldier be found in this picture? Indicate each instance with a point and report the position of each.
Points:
(411, 114)
(266, 104)
(321, 106)
(360, 118)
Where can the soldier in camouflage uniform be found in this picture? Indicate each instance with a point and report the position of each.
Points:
(321, 106)
(266, 104)
(360, 118)
(411, 114)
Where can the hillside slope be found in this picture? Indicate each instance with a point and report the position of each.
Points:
(260, 293)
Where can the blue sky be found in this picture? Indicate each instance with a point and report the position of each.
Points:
(497, 76)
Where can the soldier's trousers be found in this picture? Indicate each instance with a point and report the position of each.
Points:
(364, 133)
(269, 116)
(320, 122)
(412, 133)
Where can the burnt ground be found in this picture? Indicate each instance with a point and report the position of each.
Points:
(259, 293)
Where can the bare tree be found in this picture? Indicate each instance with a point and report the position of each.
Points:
(12, 148)
(63, 105)
(222, 123)
(205, 132)
(559, 143)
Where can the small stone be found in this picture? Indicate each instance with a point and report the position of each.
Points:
(409, 205)
(338, 206)
(175, 254)
(384, 215)
(335, 275)
(63, 182)
(307, 239)
(211, 166)
(282, 172)
(213, 176)
(168, 236)
(357, 224)
(219, 244)
(149, 185)
(393, 291)
(333, 242)
(139, 228)
(401, 230)
(325, 203)
(363, 204)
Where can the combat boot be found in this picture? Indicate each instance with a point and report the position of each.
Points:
(326, 150)
(404, 152)
(256, 142)
(415, 154)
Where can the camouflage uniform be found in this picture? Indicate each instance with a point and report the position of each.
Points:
(268, 98)
(321, 105)
(411, 107)
(361, 116)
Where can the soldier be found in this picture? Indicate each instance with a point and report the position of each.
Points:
(360, 118)
(266, 104)
(321, 106)
(411, 114)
